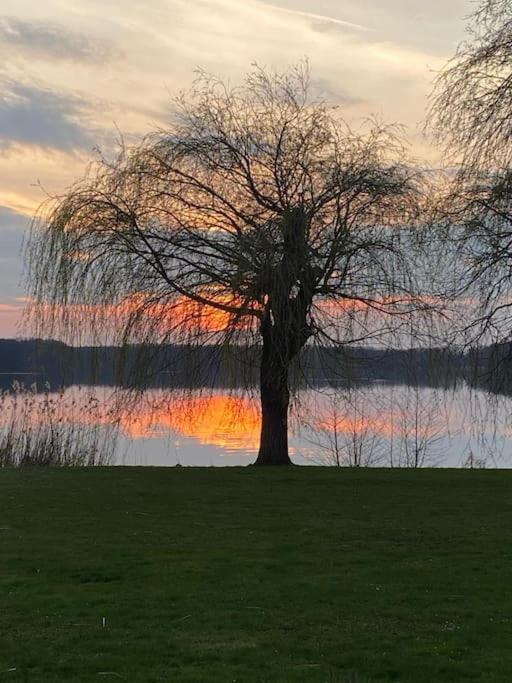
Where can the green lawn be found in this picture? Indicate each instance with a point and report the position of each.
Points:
(306, 574)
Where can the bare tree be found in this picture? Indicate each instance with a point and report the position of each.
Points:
(260, 217)
(419, 425)
(342, 428)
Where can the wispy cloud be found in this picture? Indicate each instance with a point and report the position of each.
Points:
(369, 56)
(30, 115)
(320, 18)
(47, 40)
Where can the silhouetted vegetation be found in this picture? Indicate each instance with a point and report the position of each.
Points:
(260, 220)
(212, 365)
(471, 113)
(43, 428)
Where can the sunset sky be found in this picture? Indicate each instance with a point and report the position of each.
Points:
(74, 73)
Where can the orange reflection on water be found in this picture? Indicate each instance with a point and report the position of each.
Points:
(224, 420)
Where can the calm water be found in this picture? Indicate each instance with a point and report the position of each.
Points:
(376, 425)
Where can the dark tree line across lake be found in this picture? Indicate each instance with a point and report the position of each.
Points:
(59, 365)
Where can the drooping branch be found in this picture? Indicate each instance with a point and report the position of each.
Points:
(472, 100)
(260, 208)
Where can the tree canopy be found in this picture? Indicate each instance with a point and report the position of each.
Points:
(259, 216)
(472, 116)
(472, 101)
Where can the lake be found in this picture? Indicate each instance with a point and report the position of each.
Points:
(372, 424)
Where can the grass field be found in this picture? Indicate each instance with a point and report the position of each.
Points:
(306, 574)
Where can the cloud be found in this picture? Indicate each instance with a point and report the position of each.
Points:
(35, 116)
(434, 27)
(332, 92)
(369, 56)
(320, 22)
(47, 40)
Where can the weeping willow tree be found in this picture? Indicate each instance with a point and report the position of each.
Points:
(259, 218)
(471, 115)
(471, 107)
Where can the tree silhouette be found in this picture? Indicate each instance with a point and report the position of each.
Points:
(259, 218)
(471, 114)
(471, 106)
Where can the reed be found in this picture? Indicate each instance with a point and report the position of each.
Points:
(65, 428)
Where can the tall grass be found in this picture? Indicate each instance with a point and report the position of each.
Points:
(59, 429)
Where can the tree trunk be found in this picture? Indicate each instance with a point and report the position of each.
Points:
(275, 399)
(285, 330)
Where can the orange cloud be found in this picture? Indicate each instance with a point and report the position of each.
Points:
(180, 313)
(161, 316)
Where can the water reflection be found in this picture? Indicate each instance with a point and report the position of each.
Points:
(411, 426)
(375, 424)
(227, 421)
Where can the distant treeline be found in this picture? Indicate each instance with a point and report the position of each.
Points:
(55, 363)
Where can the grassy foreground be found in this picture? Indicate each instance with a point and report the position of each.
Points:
(306, 574)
